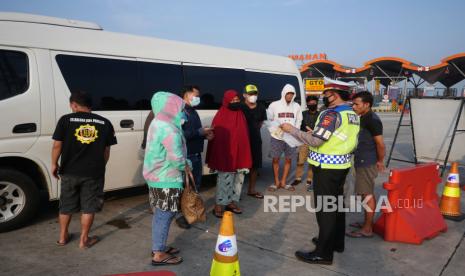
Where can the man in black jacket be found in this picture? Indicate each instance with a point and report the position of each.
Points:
(308, 123)
(195, 136)
(194, 133)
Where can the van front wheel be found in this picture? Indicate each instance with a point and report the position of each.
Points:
(19, 199)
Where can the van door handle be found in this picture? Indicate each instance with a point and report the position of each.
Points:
(25, 128)
(127, 123)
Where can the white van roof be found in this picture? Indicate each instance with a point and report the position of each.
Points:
(40, 19)
(88, 38)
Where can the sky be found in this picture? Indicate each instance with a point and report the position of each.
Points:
(350, 32)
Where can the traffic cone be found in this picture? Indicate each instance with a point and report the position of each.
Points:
(450, 201)
(226, 261)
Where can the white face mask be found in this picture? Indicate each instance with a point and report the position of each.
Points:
(195, 101)
(252, 99)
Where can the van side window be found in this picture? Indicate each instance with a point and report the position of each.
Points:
(213, 82)
(159, 77)
(14, 73)
(270, 85)
(119, 84)
(111, 83)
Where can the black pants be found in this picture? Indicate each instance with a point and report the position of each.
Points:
(329, 182)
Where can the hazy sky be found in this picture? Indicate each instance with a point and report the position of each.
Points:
(350, 32)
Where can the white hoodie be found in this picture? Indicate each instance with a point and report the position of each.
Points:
(283, 112)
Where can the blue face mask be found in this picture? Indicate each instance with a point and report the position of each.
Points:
(195, 101)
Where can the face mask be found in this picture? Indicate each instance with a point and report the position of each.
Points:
(252, 99)
(195, 101)
(312, 107)
(326, 101)
(234, 106)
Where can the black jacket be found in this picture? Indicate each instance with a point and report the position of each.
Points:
(309, 119)
(193, 131)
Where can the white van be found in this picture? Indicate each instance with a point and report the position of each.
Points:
(42, 59)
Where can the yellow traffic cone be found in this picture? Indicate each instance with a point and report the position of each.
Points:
(226, 261)
(450, 201)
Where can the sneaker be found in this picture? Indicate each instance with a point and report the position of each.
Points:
(296, 182)
(182, 223)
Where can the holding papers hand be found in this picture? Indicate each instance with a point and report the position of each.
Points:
(277, 132)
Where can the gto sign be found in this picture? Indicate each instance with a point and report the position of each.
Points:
(314, 85)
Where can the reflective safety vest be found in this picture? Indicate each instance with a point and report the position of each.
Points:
(336, 153)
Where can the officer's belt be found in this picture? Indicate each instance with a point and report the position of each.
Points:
(330, 159)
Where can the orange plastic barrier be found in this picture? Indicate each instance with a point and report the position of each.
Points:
(415, 212)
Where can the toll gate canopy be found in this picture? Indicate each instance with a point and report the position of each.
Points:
(390, 70)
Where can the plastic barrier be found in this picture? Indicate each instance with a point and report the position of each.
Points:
(415, 212)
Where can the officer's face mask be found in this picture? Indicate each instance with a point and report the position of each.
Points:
(326, 100)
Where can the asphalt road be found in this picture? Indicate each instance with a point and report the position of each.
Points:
(266, 241)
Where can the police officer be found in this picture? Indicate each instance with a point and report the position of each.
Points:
(330, 150)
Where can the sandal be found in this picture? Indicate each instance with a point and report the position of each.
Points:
(217, 214)
(169, 250)
(172, 250)
(272, 188)
(256, 195)
(356, 225)
(67, 240)
(166, 261)
(91, 242)
(359, 234)
(233, 209)
(289, 188)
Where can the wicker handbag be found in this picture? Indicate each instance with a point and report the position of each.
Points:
(192, 205)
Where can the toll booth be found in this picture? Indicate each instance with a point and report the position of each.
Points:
(391, 96)
(392, 78)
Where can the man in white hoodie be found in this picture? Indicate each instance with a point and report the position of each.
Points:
(283, 111)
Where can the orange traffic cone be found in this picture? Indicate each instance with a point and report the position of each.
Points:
(226, 261)
(450, 201)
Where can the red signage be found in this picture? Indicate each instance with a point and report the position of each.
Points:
(308, 56)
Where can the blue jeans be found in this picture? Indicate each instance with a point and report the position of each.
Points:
(161, 222)
(196, 160)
